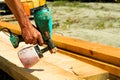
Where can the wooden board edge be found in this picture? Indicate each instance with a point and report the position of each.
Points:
(98, 51)
(15, 72)
(13, 27)
(115, 70)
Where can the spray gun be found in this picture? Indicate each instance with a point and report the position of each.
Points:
(43, 20)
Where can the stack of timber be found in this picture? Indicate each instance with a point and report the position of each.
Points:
(74, 60)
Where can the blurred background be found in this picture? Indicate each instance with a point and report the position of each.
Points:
(96, 21)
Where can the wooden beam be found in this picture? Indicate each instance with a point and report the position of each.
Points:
(14, 71)
(42, 70)
(51, 66)
(93, 50)
(97, 51)
(115, 70)
(13, 27)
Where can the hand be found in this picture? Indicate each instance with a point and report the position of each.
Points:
(31, 35)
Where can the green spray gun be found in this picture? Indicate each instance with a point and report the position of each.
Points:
(43, 20)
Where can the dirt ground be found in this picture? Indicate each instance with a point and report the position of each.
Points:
(95, 22)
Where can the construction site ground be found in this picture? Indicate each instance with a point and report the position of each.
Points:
(95, 22)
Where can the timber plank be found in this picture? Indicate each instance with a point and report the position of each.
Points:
(42, 70)
(93, 50)
(13, 27)
(97, 51)
(115, 70)
(75, 66)
(52, 67)
(14, 71)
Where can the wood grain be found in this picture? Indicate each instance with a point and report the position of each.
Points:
(97, 51)
(51, 66)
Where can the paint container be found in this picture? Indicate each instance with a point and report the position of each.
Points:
(28, 56)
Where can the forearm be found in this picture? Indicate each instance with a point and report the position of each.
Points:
(29, 33)
(18, 11)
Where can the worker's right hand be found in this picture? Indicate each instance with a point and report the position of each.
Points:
(31, 35)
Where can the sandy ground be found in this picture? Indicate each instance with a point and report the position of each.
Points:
(95, 22)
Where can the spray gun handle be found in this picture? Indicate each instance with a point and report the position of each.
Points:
(15, 40)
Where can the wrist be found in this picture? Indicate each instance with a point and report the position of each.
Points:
(24, 22)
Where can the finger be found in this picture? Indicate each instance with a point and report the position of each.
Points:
(40, 41)
(34, 42)
(28, 40)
